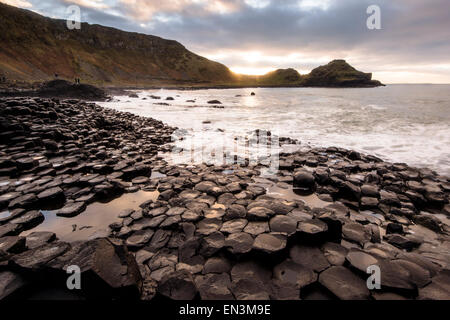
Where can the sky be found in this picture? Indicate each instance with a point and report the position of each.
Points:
(257, 36)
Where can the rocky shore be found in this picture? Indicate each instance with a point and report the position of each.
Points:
(214, 232)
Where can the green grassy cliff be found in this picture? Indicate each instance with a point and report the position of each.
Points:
(34, 48)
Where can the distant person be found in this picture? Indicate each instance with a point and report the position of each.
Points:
(56, 75)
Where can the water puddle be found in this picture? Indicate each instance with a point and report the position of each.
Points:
(94, 221)
(289, 194)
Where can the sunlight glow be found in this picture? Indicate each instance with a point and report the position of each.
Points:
(254, 71)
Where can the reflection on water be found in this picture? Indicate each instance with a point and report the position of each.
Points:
(399, 123)
(94, 221)
(311, 200)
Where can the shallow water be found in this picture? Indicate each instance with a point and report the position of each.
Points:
(399, 123)
(94, 221)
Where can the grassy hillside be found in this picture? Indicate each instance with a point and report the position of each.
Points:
(34, 48)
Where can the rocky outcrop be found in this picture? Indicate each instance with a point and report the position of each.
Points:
(96, 54)
(212, 232)
(338, 73)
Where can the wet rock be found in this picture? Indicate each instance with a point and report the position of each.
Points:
(139, 239)
(280, 290)
(37, 239)
(159, 240)
(371, 191)
(259, 213)
(10, 282)
(12, 244)
(72, 209)
(27, 201)
(212, 243)
(344, 284)
(356, 232)
(429, 222)
(335, 253)
(257, 227)
(208, 226)
(239, 243)
(394, 228)
(178, 285)
(291, 272)
(312, 230)
(438, 289)
(270, 243)
(233, 226)
(52, 194)
(281, 223)
(235, 211)
(304, 181)
(36, 258)
(29, 219)
(249, 289)
(217, 265)
(360, 260)
(401, 242)
(209, 187)
(112, 270)
(368, 203)
(10, 229)
(418, 276)
(310, 257)
(214, 287)
(395, 277)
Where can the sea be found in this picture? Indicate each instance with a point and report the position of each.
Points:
(407, 123)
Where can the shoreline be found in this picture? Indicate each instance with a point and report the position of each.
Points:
(213, 229)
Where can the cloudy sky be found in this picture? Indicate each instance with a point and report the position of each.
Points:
(256, 36)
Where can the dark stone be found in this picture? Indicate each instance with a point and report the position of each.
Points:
(52, 194)
(217, 265)
(304, 181)
(10, 282)
(282, 223)
(361, 260)
(29, 220)
(139, 238)
(26, 201)
(35, 259)
(214, 287)
(178, 285)
(259, 213)
(235, 211)
(344, 284)
(212, 243)
(270, 243)
(37, 239)
(294, 273)
(401, 242)
(394, 228)
(438, 289)
(239, 243)
(72, 209)
(233, 226)
(310, 257)
(429, 222)
(108, 270)
(249, 289)
(335, 253)
(10, 229)
(356, 232)
(12, 244)
(312, 230)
